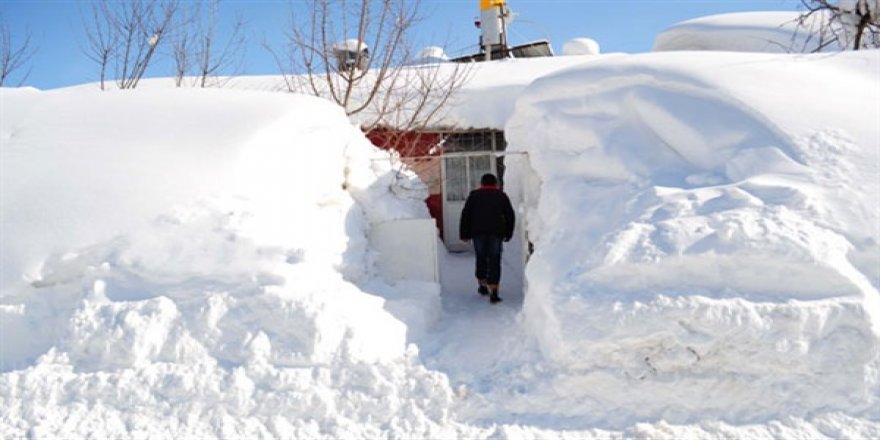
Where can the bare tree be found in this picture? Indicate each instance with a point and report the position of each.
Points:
(198, 52)
(101, 36)
(184, 41)
(359, 54)
(848, 23)
(143, 26)
(129, 33)
(13, 56)
(214, 57)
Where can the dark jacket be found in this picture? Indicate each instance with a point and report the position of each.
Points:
(487, 211)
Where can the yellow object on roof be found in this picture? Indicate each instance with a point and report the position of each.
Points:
(489, 4)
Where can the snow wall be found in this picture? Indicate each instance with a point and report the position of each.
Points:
(207, 250)
(706, 234)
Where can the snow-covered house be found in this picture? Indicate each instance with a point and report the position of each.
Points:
(467, 140)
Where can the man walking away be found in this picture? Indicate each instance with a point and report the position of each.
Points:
(487, 219)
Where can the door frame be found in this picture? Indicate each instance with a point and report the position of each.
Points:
(452, 209)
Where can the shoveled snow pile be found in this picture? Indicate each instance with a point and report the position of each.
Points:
(778, 32)
(706, 235)
(190, 262)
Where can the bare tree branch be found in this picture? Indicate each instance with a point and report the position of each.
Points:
(155, 24)
(214, 59)
(184, 42)
(129, 33)
(101, 38)
(854, 24)
(359, 55)
(13, 56)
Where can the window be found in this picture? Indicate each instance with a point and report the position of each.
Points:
(463, 174)
(469, 141)
(457, 187)
(477, 166)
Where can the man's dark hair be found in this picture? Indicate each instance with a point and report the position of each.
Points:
(488, 179)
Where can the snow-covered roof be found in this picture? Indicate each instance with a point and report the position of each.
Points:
(485, 100)
(778, 32)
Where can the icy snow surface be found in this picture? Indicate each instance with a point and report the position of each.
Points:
(190, 263)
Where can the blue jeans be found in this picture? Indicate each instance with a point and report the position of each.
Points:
(488, 250)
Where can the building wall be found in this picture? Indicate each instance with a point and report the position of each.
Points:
(423, 153)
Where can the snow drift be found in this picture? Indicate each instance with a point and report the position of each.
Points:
(706, 234)
(778, 32)
(204, 249)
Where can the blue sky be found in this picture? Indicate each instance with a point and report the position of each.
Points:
(618, 26)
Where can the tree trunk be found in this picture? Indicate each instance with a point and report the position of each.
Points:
(860, 30)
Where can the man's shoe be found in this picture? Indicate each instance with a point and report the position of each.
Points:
(483, 290)
(493, 294)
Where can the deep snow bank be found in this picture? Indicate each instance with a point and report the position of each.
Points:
(779, 32)
(189, 261)
(706, 233)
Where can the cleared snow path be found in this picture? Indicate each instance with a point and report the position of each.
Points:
(489, 359)
(468, 341)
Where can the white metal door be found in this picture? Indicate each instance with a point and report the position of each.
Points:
(461, 174)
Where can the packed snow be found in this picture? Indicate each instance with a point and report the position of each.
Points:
(196, 262)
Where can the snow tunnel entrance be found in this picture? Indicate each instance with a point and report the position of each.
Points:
(451, 163)
(461, 173)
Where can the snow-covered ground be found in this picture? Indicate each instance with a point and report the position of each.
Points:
(195, 263)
